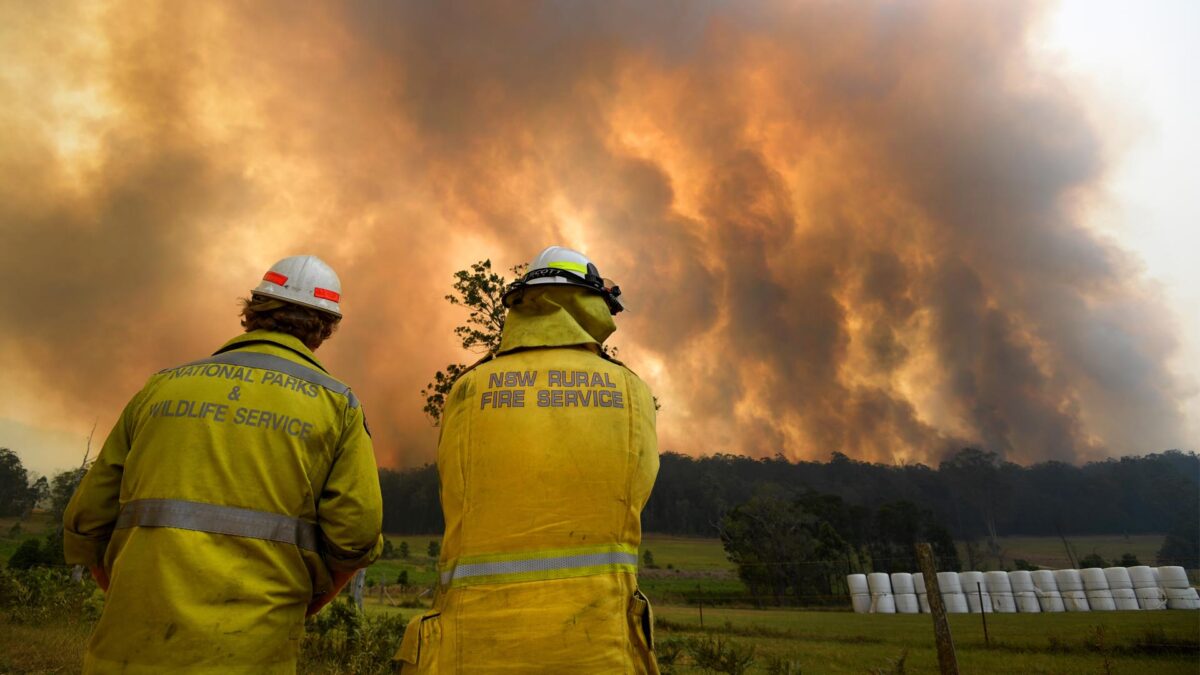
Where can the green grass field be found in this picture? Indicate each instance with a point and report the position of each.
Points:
(421, 568)
(842, 642)
(36, 526)
(1049, 551)
(689, 553)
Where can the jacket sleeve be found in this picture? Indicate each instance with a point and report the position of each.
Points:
(90, 516)
(350, 510)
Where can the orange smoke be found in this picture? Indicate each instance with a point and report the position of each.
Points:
(840, 226)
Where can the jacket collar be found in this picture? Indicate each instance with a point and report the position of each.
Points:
(556, 316)
(268, 337)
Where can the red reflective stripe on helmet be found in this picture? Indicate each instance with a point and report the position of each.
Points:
(326, 294)
(275, 278)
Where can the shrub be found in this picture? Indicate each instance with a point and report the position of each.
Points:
(346, 640)
(40, 594)
(667, 653)
(1128, 560)
(27, 556)
(719, 655)
(39, 553)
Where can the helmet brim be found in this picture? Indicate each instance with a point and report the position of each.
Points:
(517, 287)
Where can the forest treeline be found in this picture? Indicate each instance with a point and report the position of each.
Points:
(973, 496)
(973, 493)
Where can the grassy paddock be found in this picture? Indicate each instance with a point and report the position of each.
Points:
(687, 553)
(35, 527)
(696, 553)
(43, 648)
(832, 642)
(1050, 552)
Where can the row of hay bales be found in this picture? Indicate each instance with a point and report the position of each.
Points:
(1093, 589)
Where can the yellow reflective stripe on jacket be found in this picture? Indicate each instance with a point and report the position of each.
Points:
(279, 364)
(570, 267)
(217, 519)
(555, 564)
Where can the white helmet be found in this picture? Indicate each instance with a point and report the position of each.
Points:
(303, 280)
(561, 265)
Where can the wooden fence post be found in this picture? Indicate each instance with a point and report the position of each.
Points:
(947, 659)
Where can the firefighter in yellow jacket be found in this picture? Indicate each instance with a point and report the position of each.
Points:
(547, 455)
(234, 494)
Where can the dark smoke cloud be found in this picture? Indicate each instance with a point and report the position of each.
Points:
(841, 226)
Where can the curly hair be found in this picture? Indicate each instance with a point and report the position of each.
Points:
(310, 326)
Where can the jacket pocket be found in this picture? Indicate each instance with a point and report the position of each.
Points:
(418, 650)
(641, 616)
(641, 629)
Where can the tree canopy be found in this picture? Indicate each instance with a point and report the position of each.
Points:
(481, 292)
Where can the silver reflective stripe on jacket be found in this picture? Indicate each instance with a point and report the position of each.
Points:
(218, 519)
(281, 365)
(539, 568)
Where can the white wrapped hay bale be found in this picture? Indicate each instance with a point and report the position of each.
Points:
(1151, 598)
(1001, 591)
(1173, 576)
(1142, 576)
(1095, 584)
(882, 600)
(952, 593)
(857, 583)
(1024, 592)
(1125, 599)
(948, 582)
(1047, 591)
(1070, 586)
(905, 592)
(1121, 585)
(860, 593)
(1146, 588)
(1118, 578)
(1182, 598)
(972, 583)
(902, 583)
(922, 595)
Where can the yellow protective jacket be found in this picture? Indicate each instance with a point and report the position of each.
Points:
(547, 455)
(223, 498)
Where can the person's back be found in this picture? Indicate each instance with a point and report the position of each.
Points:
(548, 454)
(227, 494)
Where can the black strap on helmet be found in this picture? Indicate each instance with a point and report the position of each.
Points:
(592, 281)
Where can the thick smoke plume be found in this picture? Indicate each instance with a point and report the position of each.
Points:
(841, 226)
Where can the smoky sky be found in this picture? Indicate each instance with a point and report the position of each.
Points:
(846, 227)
